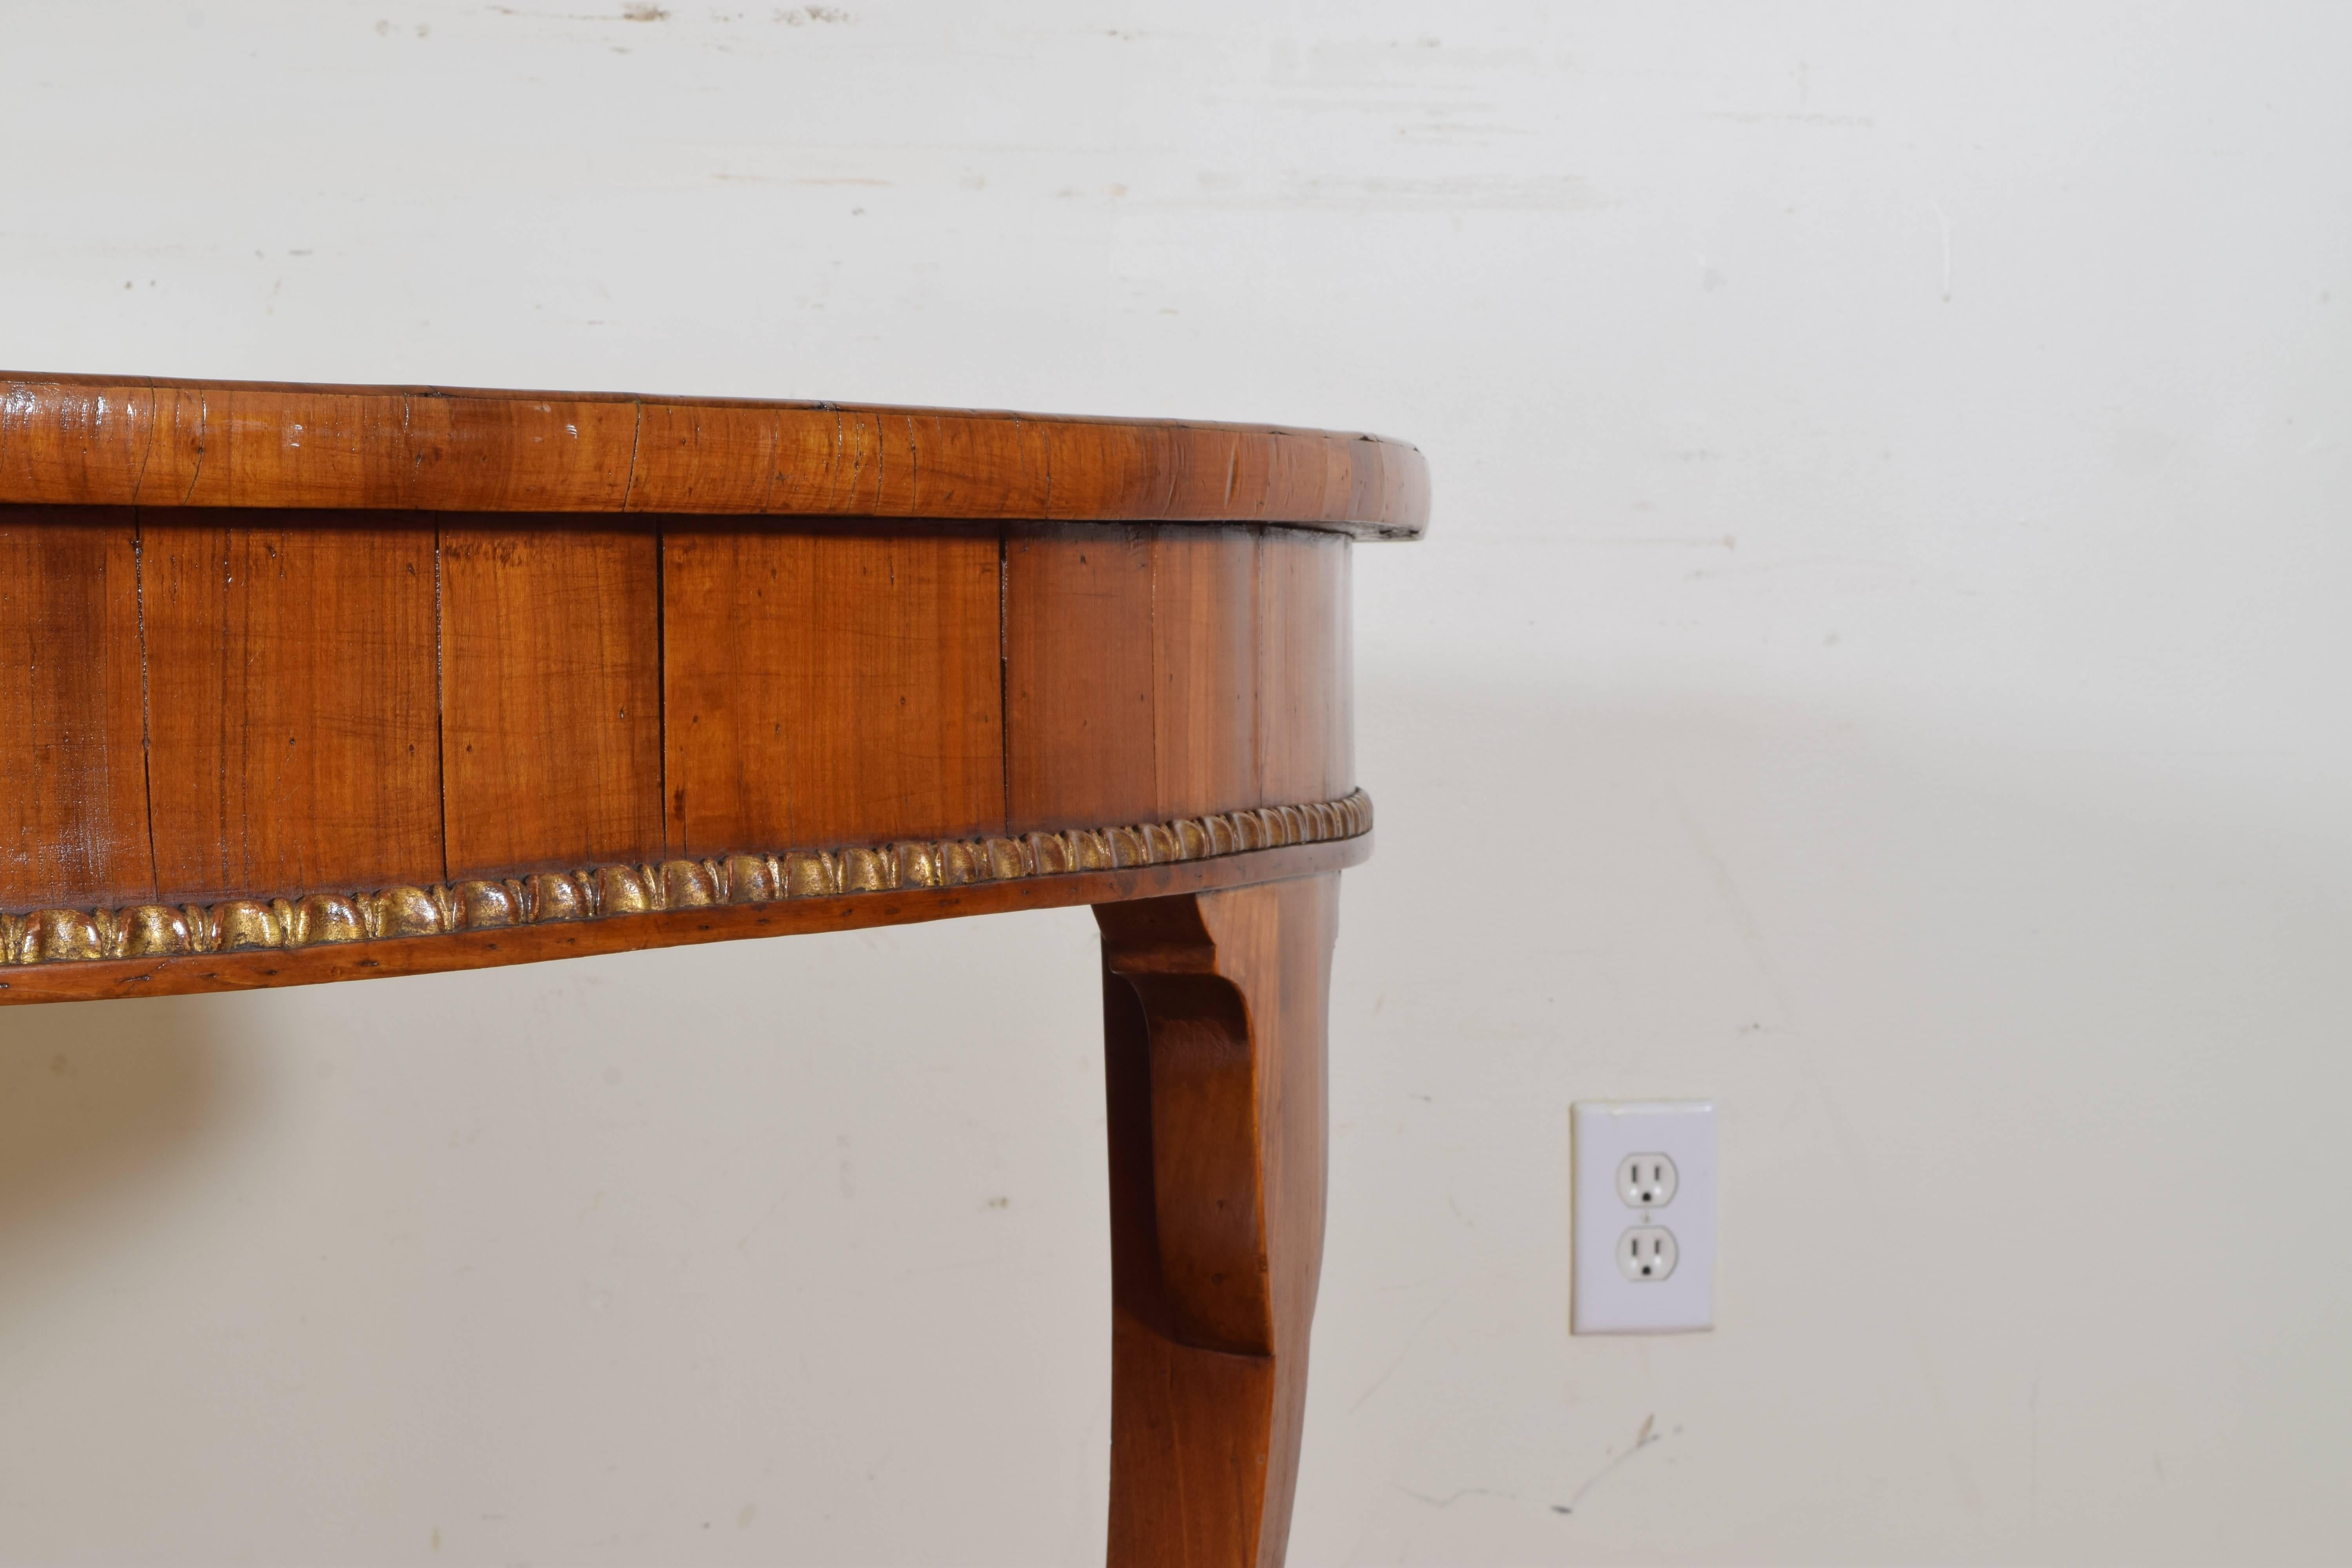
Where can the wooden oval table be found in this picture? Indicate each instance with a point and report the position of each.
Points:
(311, 683)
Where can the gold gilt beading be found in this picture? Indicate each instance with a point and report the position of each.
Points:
(745, 877)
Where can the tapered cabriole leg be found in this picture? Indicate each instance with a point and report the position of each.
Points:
(1214, 1012)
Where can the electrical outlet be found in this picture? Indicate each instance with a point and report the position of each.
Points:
(1646, 1181)
(1644, 1252)
(1647, 1252)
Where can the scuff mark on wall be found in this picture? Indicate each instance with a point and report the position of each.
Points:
(1648, 1435)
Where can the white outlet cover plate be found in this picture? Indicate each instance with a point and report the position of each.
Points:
(1601, 1301)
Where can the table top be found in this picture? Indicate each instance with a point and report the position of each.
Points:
(311, 683)
(140, 441)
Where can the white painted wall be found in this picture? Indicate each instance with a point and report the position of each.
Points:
(1882, 662)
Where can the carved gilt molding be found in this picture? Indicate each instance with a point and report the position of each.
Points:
(749, 877)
